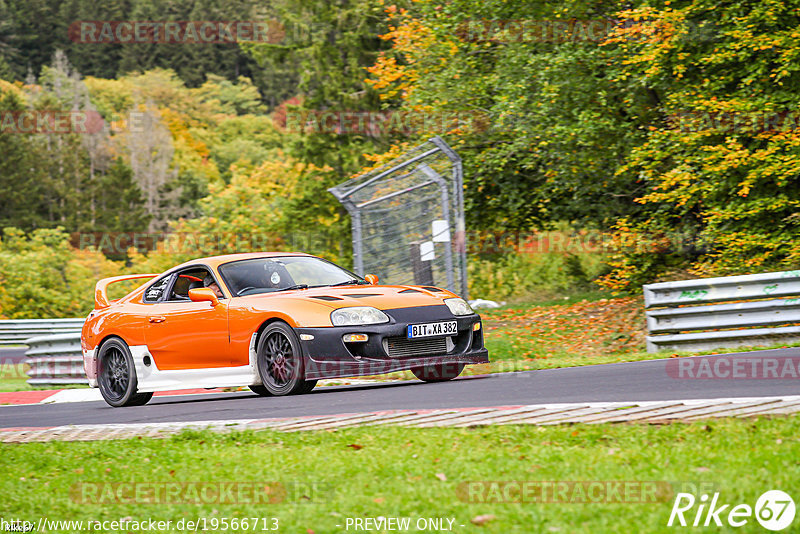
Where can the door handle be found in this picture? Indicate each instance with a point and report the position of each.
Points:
(157, 319)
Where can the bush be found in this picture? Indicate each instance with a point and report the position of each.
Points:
(520, 275)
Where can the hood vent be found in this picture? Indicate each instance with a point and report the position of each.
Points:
(410, 291)
(326, 297)
(362, 295)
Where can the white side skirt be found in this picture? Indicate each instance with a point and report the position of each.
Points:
(151, 378)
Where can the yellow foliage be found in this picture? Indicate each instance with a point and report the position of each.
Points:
(378, 160)
(2, 298)
(411, 40)
(16, 88)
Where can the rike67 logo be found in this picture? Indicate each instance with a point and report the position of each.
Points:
(774, 510)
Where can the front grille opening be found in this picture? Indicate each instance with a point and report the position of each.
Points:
(401, 347)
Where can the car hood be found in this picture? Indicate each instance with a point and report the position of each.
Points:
(381, 297)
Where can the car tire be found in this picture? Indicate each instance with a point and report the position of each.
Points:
(438, 373)
(307, 386)
(140, 399)
(116, 375)
(260, 390)
(280, 360)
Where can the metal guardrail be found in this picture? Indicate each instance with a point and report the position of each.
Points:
(55, 359)
(731, 311)
(15, 332)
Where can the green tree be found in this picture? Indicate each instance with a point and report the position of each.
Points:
(98, 59)
(73, 180)
(41, 276)
(191, 61)
(323, 57)
(719, 169)
(22, 185)
(37, 30)
(546, 122)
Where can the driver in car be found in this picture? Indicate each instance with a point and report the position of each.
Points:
(210, 283)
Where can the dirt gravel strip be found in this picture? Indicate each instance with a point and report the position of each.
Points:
(536, 414)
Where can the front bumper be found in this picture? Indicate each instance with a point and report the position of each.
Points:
(328, 356)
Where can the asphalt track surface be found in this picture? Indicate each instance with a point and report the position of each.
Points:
(637, 381)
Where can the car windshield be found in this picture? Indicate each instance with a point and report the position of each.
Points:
(267, 275)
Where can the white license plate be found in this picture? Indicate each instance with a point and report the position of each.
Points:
(446, 328)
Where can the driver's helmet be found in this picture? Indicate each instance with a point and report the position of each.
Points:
(275, 275)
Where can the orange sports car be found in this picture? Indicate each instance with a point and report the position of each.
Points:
(276, 322)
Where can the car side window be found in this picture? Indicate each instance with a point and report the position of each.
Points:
(191, 278)
(155, 292)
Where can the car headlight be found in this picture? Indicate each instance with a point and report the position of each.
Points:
(358, 315)
(459, 306)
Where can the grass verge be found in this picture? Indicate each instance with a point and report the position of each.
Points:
(324, 478)
(13, 377)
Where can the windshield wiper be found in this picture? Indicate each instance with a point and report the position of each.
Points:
(347, 283)
(298, 286)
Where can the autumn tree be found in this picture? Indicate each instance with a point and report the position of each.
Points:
(548, 124)
(63, 179)
(719, 167)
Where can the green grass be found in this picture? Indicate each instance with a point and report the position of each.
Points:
(13, 377)
(411, 472)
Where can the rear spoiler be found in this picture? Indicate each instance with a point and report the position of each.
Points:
(100, 295)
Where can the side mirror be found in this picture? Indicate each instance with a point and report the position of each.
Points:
(372, 279)
(203, 294)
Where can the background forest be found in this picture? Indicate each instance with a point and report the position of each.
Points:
(668, 130)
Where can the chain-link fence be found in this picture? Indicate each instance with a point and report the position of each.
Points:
(408, 219)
